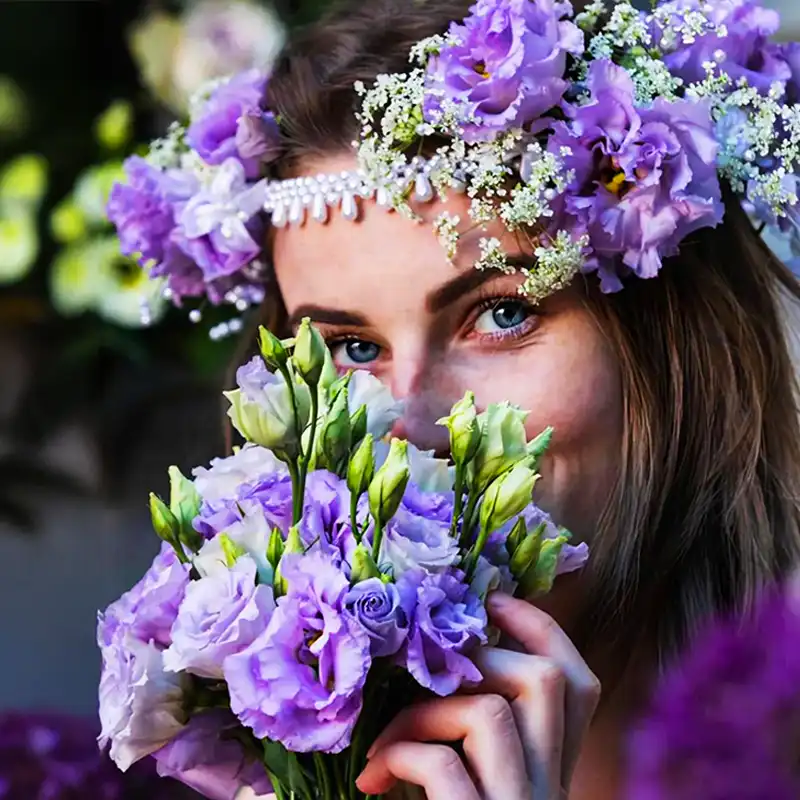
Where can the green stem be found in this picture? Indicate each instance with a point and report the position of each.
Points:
(377, 538)
(340, 785)
(309, 454)
(276, 786)
(322, 776)
(354, 516)
(459, 500)
(474, 553)
(297, 494)
(466, 527)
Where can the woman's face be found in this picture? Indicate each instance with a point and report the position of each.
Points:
(387, 301)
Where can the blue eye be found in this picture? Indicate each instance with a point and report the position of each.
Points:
(503, 315)
(354, 352)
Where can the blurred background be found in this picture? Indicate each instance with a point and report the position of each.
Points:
(94, 406)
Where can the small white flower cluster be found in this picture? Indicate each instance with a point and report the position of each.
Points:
(683, 26)
(625, 29)
(493, 256)
(557, 263)
(167, 152)
(759, 138)
(446, 229)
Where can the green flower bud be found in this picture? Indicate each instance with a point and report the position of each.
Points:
(272, 349)
(507, 496)
(515, 538)
(275, 548)
(363, 566)
(358, 425)
(387, 488)
(184, 502)
(329, 374)
(503, 443)
(164, 522)
(465, 430)
(527, 554)
(232, 551)
(293, 544)
(309, 353)
(361, 469)
(335, 436)
(538, 579)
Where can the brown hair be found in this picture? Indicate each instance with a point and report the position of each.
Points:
(706, 507)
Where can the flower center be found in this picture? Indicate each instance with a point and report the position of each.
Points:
(616, 184)
(480, 68)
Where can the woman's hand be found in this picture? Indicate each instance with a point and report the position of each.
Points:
(521, 735)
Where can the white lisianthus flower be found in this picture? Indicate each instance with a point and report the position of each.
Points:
(261, 408)
(221, 481)
(382, 409)
(141, 705)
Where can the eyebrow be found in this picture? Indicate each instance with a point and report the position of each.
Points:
(327, 316)
(466, 282)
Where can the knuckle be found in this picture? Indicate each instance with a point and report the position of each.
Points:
(445, 758)
(494, 709)
(550, 679)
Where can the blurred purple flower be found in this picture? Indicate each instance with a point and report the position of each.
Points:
(257, 136)
(214, 134)
(505, 65)
(748, 53)
(221, 615)
(207, 757)
(301, 682)
(724, 722)
(645, 178)
(50, 756)
(449, 620)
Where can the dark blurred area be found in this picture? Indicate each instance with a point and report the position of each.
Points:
(94, 404)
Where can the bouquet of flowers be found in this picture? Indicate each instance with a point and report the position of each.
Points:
(318, 580)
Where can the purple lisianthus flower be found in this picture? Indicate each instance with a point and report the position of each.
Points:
(449, 620)
(505, 65)
(645, 178)
(746, 50)
(206, 756)
(220, 615)
(726, 715)
(257, 136)
(141, 705)
(148, 610)
(300, 683)
(220, 227)
(214, 134)
(378, 608)
(143, 209)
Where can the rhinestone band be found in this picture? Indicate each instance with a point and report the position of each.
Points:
(292, 201)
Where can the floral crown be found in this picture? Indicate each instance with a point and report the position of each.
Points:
(599, 140)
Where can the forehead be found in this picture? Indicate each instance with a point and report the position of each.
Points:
(382, 257)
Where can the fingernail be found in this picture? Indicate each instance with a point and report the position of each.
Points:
(371, 751)
(497, 600)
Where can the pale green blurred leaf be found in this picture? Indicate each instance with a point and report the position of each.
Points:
(14, 117)
(93, 188)
(23, 181)
(68, 222)
(19, 244)
(114, 126)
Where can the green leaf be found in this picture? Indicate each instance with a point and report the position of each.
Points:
(297, 778)
(276, 759)
(113, 127)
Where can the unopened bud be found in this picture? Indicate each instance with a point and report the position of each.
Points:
(358, 425)
(275, 548)
(538, 579)
(232, 551)
(184, 502)
(361, 469)
(514, 539)
(335, 436)
(363, 565)
(272, 349)
(387, 488)
(465, 430)
(309, 353)
(507, 496)
(503, 444)
(527, 554)
(164, 522)
(539, 444)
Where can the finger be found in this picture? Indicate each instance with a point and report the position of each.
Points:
(535, 688)
(540, 634)
(436, 768)
(485, 723)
